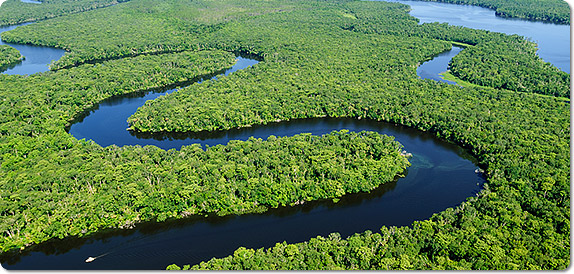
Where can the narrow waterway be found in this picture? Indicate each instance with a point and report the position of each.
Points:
(442, 175)
(107, 123)
(438, 64)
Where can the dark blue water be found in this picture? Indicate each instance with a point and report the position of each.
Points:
(442, 175)
(37, 59)
(107, 124)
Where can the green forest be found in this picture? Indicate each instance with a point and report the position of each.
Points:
(522, 71)
(338, 58)
(555, 11)
(15, 11)
(10, 56)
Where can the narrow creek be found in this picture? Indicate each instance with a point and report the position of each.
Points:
(438, 64)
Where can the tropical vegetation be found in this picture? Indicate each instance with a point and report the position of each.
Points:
(555, 11)
(9, 56)
(15, 11)
(339, 58)
(522, 71)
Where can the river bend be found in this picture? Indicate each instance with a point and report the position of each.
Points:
(442, 175)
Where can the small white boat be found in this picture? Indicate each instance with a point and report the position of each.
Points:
(90, 259)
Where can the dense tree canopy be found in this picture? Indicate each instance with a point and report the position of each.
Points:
(319, 58)
(16, 12)
(555, 11)
(512, 65)
(9, 56)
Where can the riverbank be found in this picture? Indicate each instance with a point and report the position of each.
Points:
(313, 66)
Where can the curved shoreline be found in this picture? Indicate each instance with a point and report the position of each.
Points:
(96, 254)
(36, 58)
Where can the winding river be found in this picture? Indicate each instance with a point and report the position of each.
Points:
(37, 59)
(442, 175)
(553, 40)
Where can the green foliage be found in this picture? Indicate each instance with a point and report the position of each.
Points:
(512, 65)
(15, 11)
(320, 58)
(9, 56)
(81, 187)
(170, 26)
(555, 11)
(46, 102)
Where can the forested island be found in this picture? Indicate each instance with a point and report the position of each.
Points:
(339, 58)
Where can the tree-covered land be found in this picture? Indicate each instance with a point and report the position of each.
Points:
(15, 11)
(319, 58)
(555, 11)
(73, 188)
(170, 26)
(280, 89)
(9, 56)
(513, 66)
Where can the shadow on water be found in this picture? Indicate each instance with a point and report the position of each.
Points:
(120, 99)
(192, 240)
(441, 176)
(62, 246)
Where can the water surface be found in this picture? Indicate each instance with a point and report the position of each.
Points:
(442, 175)
(438, 64)
(553, 40)
(37, 59)
(107, 123)
(31, 1)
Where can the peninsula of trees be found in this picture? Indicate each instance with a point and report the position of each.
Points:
(10, 56)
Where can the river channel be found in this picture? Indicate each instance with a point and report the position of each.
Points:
(553, 40)
(442, 175)
(37, 59)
